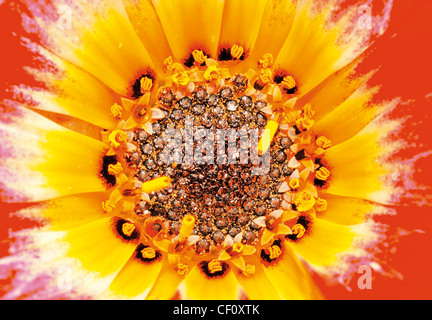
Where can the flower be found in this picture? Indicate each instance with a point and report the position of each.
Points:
(125, 217)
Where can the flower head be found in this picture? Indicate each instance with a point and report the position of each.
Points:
(137, 188)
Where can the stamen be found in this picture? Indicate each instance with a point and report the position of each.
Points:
(320, 205)
(304, 201)
(323, 142)
(182, 269)
(267, 137)
(288, 82)
(294, 183)
(214, 266)
(156, 184)
(114, 169)
(264, 79)
(249, 270)
(308, 111)
(212, 73)
(148, 253)
(199, 56)
(168, 63)
(236, 51)
(146, 84)
(305, 123)
(128, 228)
(187, 226)
(107, 206)
(117, 137)
(322, 174)
(116, 111)
(180, 78)
(266, 61)
(274, 252)
(299, 230)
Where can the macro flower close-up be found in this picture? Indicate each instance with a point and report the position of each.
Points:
(214, 150)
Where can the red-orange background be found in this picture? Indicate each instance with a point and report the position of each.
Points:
(403, 55)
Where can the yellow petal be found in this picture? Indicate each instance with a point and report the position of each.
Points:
(72, 92)
(257, 286)
(274, 28)
(201, 287)
(101, 41)
(147, 25)
(266, 236)
(356, 168)
(290, 278)
(98, 248)
(241, 22)
(314, 50)
(44, 160)
(239, 262)
(350, 117)
(166, 283)
(190, 25)
(347, 211)
(135, 278)
(68, 212)
(325, 243)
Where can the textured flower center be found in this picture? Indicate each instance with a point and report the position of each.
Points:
(214, 165)
(220, 178)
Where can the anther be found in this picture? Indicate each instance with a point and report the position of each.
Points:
(320, 205)
(107, 206)
(199, 56)
(182, 269)
(294, 183)
(180, 78)
(128, 228)
(236, 51)
(249, 270)
(266, 61)
(299, 230)
(168, 63)
(148, 253)
(214, 266)
(116, 111)
(288, 82)
(304, 201)
(114, 169)
(146, 84)
(212, 73)
(308, 111)
(117, 137)
(322, 174)
(323, 142)
(274, 252)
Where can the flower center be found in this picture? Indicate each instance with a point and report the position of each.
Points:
(214, 155)
(205, 144)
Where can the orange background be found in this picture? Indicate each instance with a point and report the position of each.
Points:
(403, 55)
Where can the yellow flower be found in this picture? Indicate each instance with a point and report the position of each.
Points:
(129, 196)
